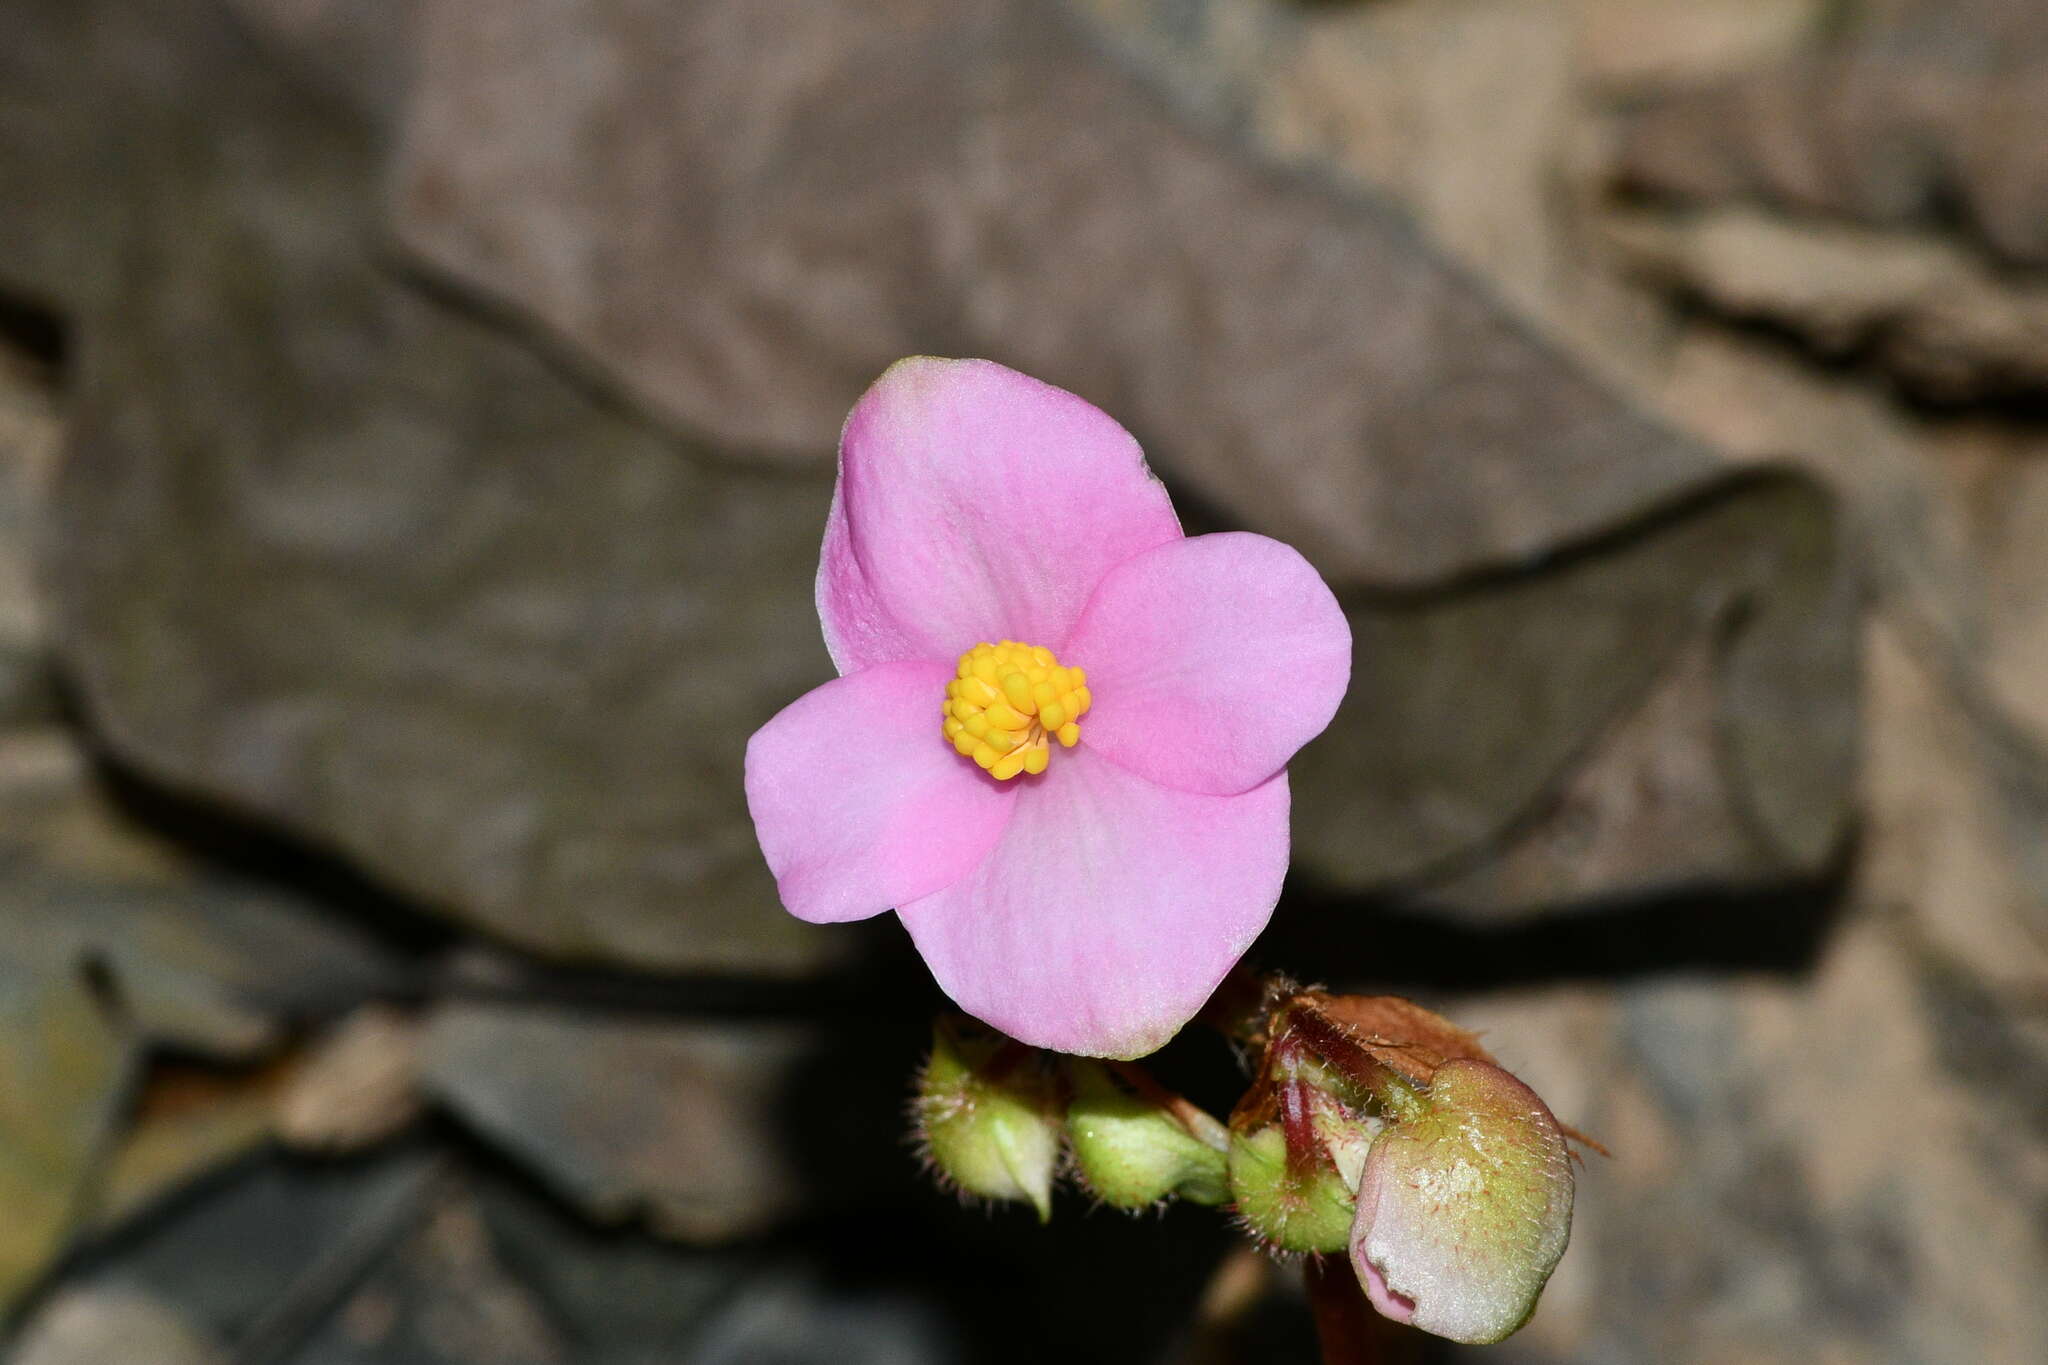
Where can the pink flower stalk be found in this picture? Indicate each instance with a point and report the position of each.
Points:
(1058, 744)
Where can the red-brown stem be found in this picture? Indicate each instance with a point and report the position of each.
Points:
(1303, 1151)
(1350, 1332)
(1332, 1042)
(1343, 1317)
(1237, 1007)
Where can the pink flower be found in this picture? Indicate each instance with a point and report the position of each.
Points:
(1058, 746)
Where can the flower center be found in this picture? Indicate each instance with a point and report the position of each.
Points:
(1007, 700)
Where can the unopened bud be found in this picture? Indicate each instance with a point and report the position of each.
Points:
(987, 1117)
(1294, 1179)
(1132, 1152)
(1464, 1207)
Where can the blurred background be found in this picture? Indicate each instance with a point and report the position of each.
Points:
(416, 426)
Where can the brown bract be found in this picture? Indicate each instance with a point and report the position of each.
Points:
(1398, 1033)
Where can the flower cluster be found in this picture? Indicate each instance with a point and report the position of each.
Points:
(1092, 833)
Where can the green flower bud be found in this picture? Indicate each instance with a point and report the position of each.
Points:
(1307, 1212)
(987, 1117)
(1132, 1153)
(1293, 1180)
(1464, 1207)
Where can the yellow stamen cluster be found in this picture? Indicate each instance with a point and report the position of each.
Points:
(1007, 701)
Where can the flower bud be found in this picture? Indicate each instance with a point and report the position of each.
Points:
(1132, 1152)
(986, 1114)
(1464, 1207)
(1293, 1179)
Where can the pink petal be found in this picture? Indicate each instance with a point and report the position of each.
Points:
(1109, 911)
(1211, 661)
(975, 503)
(1385, 1302)
(859, 802)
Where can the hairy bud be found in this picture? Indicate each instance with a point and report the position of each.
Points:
(987, 1116)
(1293, 1179)
(1133, 1150)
